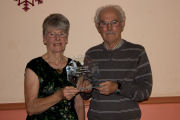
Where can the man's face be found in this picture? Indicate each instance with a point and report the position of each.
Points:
(110, 26)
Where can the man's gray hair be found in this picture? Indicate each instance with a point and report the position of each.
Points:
(121, 12)
(57, 21)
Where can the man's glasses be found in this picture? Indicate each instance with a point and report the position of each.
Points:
(113, 23)
(54, 35)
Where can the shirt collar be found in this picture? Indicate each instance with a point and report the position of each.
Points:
(117, 46)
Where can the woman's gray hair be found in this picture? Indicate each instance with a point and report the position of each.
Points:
(121, 12)
(57, 21)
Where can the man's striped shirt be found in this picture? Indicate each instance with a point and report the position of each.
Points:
(127, 65)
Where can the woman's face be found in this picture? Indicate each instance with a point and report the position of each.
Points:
(55, 40)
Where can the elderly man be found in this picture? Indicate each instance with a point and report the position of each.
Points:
(125, 72)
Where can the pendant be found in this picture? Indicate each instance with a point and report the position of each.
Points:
(59, 70)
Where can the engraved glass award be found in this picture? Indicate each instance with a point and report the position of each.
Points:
(89, 71)
(74, 71)
(92, 73)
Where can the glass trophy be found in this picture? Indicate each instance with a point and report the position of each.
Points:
(74, 72)
(89, 71)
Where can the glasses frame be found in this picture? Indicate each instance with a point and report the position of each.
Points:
(113, 23)
(54, 34)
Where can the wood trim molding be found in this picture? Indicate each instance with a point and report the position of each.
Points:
(12, 106)
(162, 100)
(151, 100)
(155, 100)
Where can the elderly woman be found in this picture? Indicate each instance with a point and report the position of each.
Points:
(48, 94)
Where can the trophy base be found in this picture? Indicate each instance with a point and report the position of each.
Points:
(90, 87)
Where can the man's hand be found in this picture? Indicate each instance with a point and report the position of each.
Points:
(107, 87)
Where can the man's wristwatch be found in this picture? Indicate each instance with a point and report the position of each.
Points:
(118, 90)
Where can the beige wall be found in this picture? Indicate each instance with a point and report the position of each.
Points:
(152, 23)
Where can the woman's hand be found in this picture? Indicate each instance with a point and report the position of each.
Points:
(69, 92)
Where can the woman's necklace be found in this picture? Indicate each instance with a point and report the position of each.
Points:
(60, 66)
(57, 66)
